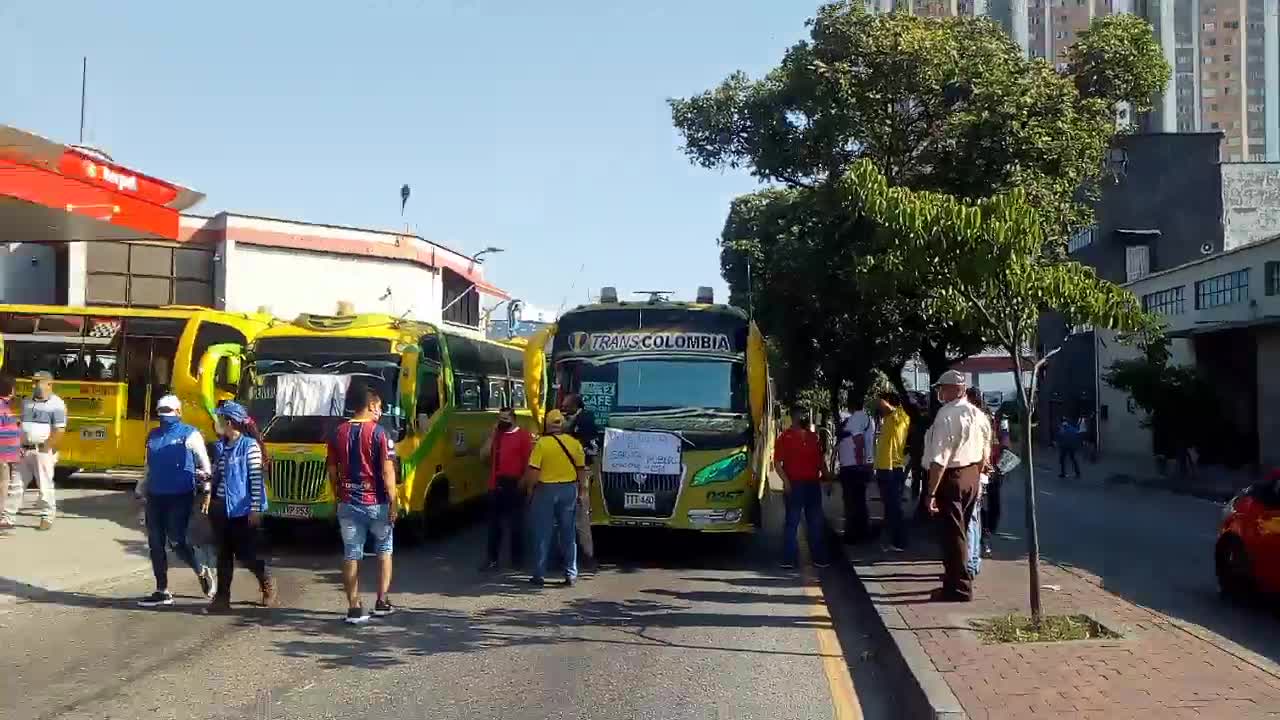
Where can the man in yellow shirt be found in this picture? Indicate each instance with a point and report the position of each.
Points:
(556, 467)
(890, 461)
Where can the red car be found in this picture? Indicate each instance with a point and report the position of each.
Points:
(1247, 556)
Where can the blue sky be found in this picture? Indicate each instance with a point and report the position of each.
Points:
(541, 128)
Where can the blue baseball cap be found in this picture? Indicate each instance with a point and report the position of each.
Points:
(234, 412)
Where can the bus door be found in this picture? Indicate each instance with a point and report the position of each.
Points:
(149, 348)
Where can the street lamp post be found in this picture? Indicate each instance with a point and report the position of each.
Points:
(487, 251)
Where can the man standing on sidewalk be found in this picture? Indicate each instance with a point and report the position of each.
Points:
(363, 477)
(958, 445)
(508, 447)
(10, 448)
(855, 440)
(797, 458)
(44, 422)
(891, 449)
(176, 462)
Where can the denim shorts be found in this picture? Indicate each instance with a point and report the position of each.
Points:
(358, 523)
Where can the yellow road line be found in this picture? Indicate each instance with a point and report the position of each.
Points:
(843, 697)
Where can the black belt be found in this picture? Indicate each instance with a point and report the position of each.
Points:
(30, 447)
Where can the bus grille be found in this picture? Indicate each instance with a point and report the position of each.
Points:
(665, 488)
(300, 481)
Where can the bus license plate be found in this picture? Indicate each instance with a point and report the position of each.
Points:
(297, 511)
(640, 501)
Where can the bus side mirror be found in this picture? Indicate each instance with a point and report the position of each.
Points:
(234, 368)
(223, 357)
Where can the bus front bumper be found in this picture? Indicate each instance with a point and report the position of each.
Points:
(711, 520)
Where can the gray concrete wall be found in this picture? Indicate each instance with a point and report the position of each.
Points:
(1251, 202)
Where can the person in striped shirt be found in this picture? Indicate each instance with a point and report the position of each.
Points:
(238, 499)
(10, 446)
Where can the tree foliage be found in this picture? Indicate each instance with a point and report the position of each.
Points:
(1117, 59)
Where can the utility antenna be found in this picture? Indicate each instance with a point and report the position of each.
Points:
(655, 296)
(84, 79)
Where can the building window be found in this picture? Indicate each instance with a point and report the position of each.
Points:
(1272, 271)
(1137, 262)
(1225, 289)
(460, 301)
(1082, 238)
(1165, 302)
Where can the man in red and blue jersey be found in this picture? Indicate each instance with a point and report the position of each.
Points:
(363, 478)
(10, 446)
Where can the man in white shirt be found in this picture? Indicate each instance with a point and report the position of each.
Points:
(957, 448)
(44, 422)
(855, 450)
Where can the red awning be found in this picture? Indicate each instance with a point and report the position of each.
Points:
(51, 192)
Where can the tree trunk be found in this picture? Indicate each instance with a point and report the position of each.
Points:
(1033, 534)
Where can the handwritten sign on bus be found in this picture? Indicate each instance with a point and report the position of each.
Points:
(636, 451)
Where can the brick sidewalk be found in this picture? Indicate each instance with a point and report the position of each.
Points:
(1157, 670)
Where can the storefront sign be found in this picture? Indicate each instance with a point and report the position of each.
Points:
(98, 172)
(581, 342)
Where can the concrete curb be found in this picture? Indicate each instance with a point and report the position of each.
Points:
(924, 691)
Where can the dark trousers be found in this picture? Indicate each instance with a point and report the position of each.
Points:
(957, 499)
(1064, 454)
(804, 501)
(506, 510)
(891, 485)
(167, 519)
(991, 504)
(236, 540)
(853, 488)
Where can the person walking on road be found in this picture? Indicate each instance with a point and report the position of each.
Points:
(557, 467)
(890, 461)
(177, 462)
(508, 447)
(1068, 443)
(797, 458)
(44, 423)
(10, 448)
(580, 422)
(956, 451)
(237, 500)
(855, 442)
(363, 476)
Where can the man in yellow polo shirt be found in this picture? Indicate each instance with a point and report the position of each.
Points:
(556, 466)
(890, 461)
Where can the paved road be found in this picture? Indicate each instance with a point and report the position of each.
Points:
(673, 627)
(1152, 548)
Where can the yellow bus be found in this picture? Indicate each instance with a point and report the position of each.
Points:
(441, 393)
(681, 394)
(111, 364)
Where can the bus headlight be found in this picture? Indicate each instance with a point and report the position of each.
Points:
(722, 470)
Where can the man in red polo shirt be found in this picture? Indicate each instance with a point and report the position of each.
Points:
(797, 458)
(507, 447)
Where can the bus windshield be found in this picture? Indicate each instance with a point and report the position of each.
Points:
(705, 395)
(286, 420)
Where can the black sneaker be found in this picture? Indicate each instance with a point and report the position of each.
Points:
(785, 565)
(383, 607)
(156, 599)
(537, 581)
(208, 583)
(356, 616)
(821, 564)
(489, 566)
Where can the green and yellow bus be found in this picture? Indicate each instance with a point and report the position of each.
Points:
(111, 364)
(682, 395)
(441, 392)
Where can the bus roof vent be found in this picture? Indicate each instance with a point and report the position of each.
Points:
(346, 308)
(608, 294)
(706, 295)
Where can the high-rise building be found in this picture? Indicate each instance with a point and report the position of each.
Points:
(1225, 56)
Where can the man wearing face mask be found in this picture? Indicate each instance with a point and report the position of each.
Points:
(44, 422)
(956, 449)
(177, 462)
(507, 447)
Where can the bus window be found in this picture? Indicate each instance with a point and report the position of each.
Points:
(468, 393)
(149, 347)
(47, 342)
(517, 394)
(429, 368)
(209, 334)
(497, 394)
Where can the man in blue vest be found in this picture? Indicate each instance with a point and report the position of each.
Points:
(177, 463)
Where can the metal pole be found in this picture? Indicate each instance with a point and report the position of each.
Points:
(84, 78)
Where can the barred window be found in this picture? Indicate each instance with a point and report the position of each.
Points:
(1272, 272)
(1165, 302)
(1225, 289)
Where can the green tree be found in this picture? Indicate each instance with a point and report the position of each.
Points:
(990, 261)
